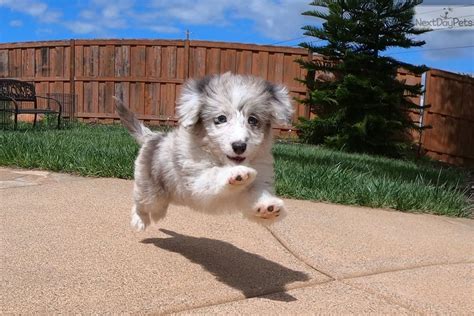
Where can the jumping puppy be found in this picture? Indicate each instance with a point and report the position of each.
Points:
(219, 158)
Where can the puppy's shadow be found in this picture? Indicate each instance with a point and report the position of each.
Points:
(247, 272)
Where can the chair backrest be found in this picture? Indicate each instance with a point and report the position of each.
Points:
(17, 90)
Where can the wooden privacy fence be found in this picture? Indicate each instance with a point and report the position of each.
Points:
(451, 117)
(150, 74)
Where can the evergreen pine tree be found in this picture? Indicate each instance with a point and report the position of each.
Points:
(363, 108)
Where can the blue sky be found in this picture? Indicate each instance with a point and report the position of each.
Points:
(252, 21)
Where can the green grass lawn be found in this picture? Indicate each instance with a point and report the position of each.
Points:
(302, 172)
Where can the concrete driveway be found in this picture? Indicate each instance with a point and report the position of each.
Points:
(66, 247)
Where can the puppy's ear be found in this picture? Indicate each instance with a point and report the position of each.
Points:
(282, 109)
(190, 102)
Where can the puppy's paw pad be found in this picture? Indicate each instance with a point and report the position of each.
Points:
(242, 175)
(271, 209)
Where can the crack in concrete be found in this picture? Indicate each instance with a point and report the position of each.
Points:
(263, 294)
(381, 297)
(33, 184)
(404, 269)
(389, 299)
(314, 283)
(303, 286)
(343, 279)
(287, 247)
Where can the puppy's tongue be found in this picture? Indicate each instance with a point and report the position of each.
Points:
(237, 159)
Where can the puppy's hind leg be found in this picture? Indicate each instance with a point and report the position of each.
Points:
(140, 218)
(158, 209)
(143, 214)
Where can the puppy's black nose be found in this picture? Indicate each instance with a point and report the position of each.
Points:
(239, 147)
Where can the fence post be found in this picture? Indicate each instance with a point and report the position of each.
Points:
(72, 73)
(421, 112)
(186, 58)
(310, 75)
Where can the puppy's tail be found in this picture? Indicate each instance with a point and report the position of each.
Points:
(139, 131)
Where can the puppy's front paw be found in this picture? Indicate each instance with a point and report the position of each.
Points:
(241, 175)
(271, 208)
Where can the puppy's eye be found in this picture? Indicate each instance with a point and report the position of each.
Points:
(253, 120)
(220, 119)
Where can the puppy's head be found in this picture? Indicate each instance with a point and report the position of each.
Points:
(236, 113)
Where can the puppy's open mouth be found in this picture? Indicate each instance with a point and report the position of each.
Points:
(236, 159)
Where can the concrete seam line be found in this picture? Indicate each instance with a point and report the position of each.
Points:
(381, 297)
(44, 184)
(386, 298)
(284, 245)
(269, 292)
(404, 269)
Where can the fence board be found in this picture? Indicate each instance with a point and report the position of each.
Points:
(95, 96)
(244, 62)
(260, 64)
(79, 88)
(137, 56)
(172, 51)
(79, 60)
(180, 64)
(55, 62)
(101, 100)
(94, 61)
(278, 71)
(28, 60)
(106, 61)
(155, 99)
(4, 65)
(153, 61)
(213, 61)
(228, 60)
(198, 62)
(12, 64)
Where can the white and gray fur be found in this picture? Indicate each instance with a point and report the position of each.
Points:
(199, 164)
